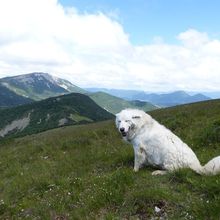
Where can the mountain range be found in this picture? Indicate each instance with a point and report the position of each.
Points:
(22, 89)
(171, 99)
(162, 100)
(38, 86)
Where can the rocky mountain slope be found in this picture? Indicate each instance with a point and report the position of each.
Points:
(38, 86)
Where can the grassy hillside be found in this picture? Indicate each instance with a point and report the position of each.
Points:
(50, 113)
(9, 98)
(114, 104)
(85, 172)
(197, 124)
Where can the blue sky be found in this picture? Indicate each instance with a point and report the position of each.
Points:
(145, 19)
(150, 45)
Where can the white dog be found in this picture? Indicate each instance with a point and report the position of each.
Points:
(157, 146)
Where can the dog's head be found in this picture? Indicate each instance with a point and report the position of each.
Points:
(130, 121)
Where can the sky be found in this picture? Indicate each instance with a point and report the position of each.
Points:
(150, 45)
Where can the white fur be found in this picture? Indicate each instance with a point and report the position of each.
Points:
(157, 146)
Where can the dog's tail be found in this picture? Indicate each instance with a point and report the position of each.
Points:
(211, 168)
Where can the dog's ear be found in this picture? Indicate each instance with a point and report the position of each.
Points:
(136, 117)
(117, 115)
(116, 119)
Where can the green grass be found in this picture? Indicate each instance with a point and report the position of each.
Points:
(86, 172)
(78, 118)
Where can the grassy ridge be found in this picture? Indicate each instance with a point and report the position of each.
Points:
(9, 98)
(114, 104)
(85, 172)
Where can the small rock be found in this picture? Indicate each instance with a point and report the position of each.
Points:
(157, 209)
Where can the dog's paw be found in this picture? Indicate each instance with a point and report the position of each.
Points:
(158, 172)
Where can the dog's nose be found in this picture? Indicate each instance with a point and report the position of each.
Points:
(122, 129)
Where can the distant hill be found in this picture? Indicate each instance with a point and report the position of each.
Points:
(213, 95)
(38, 86)
(163, 99)
(171, 99)
(121, 93)
(50, 113)
(114, 104)
(8, 98)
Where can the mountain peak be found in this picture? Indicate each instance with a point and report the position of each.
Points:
(39, 85)
(180, 92)
(38, 74)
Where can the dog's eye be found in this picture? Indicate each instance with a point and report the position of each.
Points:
(127, 120)
(136, 117)
(119, 121)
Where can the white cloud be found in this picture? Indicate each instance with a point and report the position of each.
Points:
(193, 38)
(94, 50)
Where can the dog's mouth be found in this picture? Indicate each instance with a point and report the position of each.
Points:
(124, 134)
